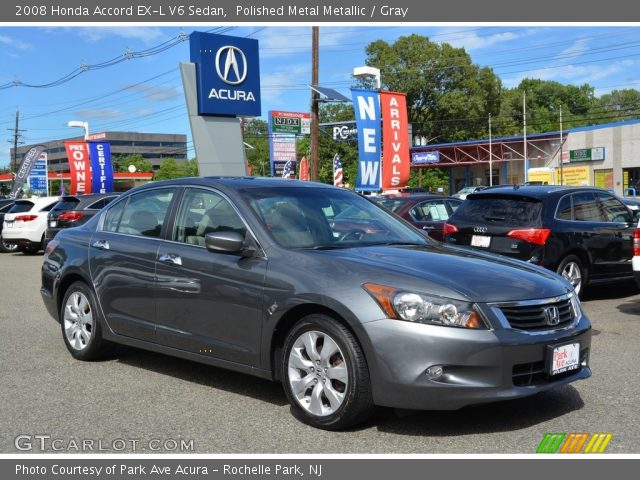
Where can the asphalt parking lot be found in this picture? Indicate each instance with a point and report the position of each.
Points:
(146, 397)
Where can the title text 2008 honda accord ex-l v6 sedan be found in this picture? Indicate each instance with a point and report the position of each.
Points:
(260, 276)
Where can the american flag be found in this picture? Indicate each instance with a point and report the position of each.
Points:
(337, 171)
(289, 170)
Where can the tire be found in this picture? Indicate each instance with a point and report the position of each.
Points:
(573, 270)
(31, 250)
(7, 247)
(331, 390)
(81, 324)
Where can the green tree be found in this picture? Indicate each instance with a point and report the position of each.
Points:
(170, 169)
(121, 163)
(257, 136)
(191, 168)
(448, 97)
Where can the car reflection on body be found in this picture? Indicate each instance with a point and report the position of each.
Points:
(248, 274)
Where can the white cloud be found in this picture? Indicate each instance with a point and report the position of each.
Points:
(157, 93)
(13, 42)
(99, 113)
(472, 40)
(278, 42)
(275, 90)
(143, 34)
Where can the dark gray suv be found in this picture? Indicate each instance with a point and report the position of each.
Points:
(253, 275)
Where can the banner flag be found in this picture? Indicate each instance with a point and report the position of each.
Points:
(304, 169)
(366, 104)
(396, 163)
(25, 169)
(337, 171)
(79, 165)
(101, 167)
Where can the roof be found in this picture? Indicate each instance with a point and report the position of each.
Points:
(532, 191)
(242, 182)
(532, 136)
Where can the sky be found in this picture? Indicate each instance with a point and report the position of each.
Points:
(145, 94)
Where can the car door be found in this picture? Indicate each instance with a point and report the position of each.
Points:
(620, 220)
(122, 259)
(431, 215)
(209, 303)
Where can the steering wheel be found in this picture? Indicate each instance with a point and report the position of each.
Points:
(355, 234)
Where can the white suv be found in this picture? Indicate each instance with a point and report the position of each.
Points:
(26, 223)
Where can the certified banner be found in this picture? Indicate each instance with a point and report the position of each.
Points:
(101, 167)
(396, 162)
(79, 165)
(25, 169)
(366, 104)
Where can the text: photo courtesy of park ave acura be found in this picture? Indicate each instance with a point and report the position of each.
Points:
(409, 239)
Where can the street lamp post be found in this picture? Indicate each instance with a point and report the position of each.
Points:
(84, 125)
(367, 71)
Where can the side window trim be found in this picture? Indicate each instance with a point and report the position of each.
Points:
(573, 215)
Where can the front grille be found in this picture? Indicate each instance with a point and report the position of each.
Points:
(535, 373)
(536, 317)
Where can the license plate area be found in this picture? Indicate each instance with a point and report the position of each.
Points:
(480, 241)
(563, 358)
(53, 223)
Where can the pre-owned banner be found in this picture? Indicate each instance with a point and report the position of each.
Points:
(366, 105)
(79, 165)
(396, 162)
(101, 167)
(25, 169)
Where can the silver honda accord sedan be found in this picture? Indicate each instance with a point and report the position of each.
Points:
(318, 288)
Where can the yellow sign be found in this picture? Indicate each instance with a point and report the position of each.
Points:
(604, 178)
(575, 176)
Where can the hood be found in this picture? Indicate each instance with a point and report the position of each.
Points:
(457, 272)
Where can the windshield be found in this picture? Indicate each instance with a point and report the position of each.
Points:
(392, 204)
(326, 218)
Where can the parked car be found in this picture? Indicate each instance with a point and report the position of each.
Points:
(75, 210)
(636, 253)
(583, 233)
(427, 212)
(5, 246)
(24, 224)
(462, 194)
(633, 203)
(247, 274)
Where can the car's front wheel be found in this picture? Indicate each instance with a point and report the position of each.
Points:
(325, 374)
(572, 269)
(80, 323)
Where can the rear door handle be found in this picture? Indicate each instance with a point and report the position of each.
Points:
(101, 244)
(428, 227)
(170, 258)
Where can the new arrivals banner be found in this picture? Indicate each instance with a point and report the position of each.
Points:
(366, 105)
(396, 162)
(79, 165)
(101, 167)
(25, 169)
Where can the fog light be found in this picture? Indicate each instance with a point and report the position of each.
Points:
(435, 372)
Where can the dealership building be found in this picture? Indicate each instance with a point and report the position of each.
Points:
(605, 155)
(153, 147)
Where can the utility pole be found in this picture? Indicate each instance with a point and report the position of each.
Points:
(15, 141)
(561, 163)
(524, 121)
(315, 103)
(490, 155)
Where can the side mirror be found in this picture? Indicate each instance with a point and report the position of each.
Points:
(224, 242)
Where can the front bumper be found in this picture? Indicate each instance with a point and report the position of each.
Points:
(479, 365)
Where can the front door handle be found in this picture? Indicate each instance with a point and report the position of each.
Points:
(170, 258)
(101, 245)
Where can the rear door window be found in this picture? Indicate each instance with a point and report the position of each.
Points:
(503, 210)
(143, 214)
(585, 208)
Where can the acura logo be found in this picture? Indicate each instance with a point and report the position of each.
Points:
(227, 66)
(552, 316)
(480, 229)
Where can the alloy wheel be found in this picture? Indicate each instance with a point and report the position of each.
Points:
(78, 321)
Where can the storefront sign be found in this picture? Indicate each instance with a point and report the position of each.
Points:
(586, 154)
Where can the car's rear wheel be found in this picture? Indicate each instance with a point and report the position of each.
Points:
(80, 323)
(325, 374)
(573, 270)
(7, 246)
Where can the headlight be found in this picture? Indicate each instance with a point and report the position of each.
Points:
(417, 307)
